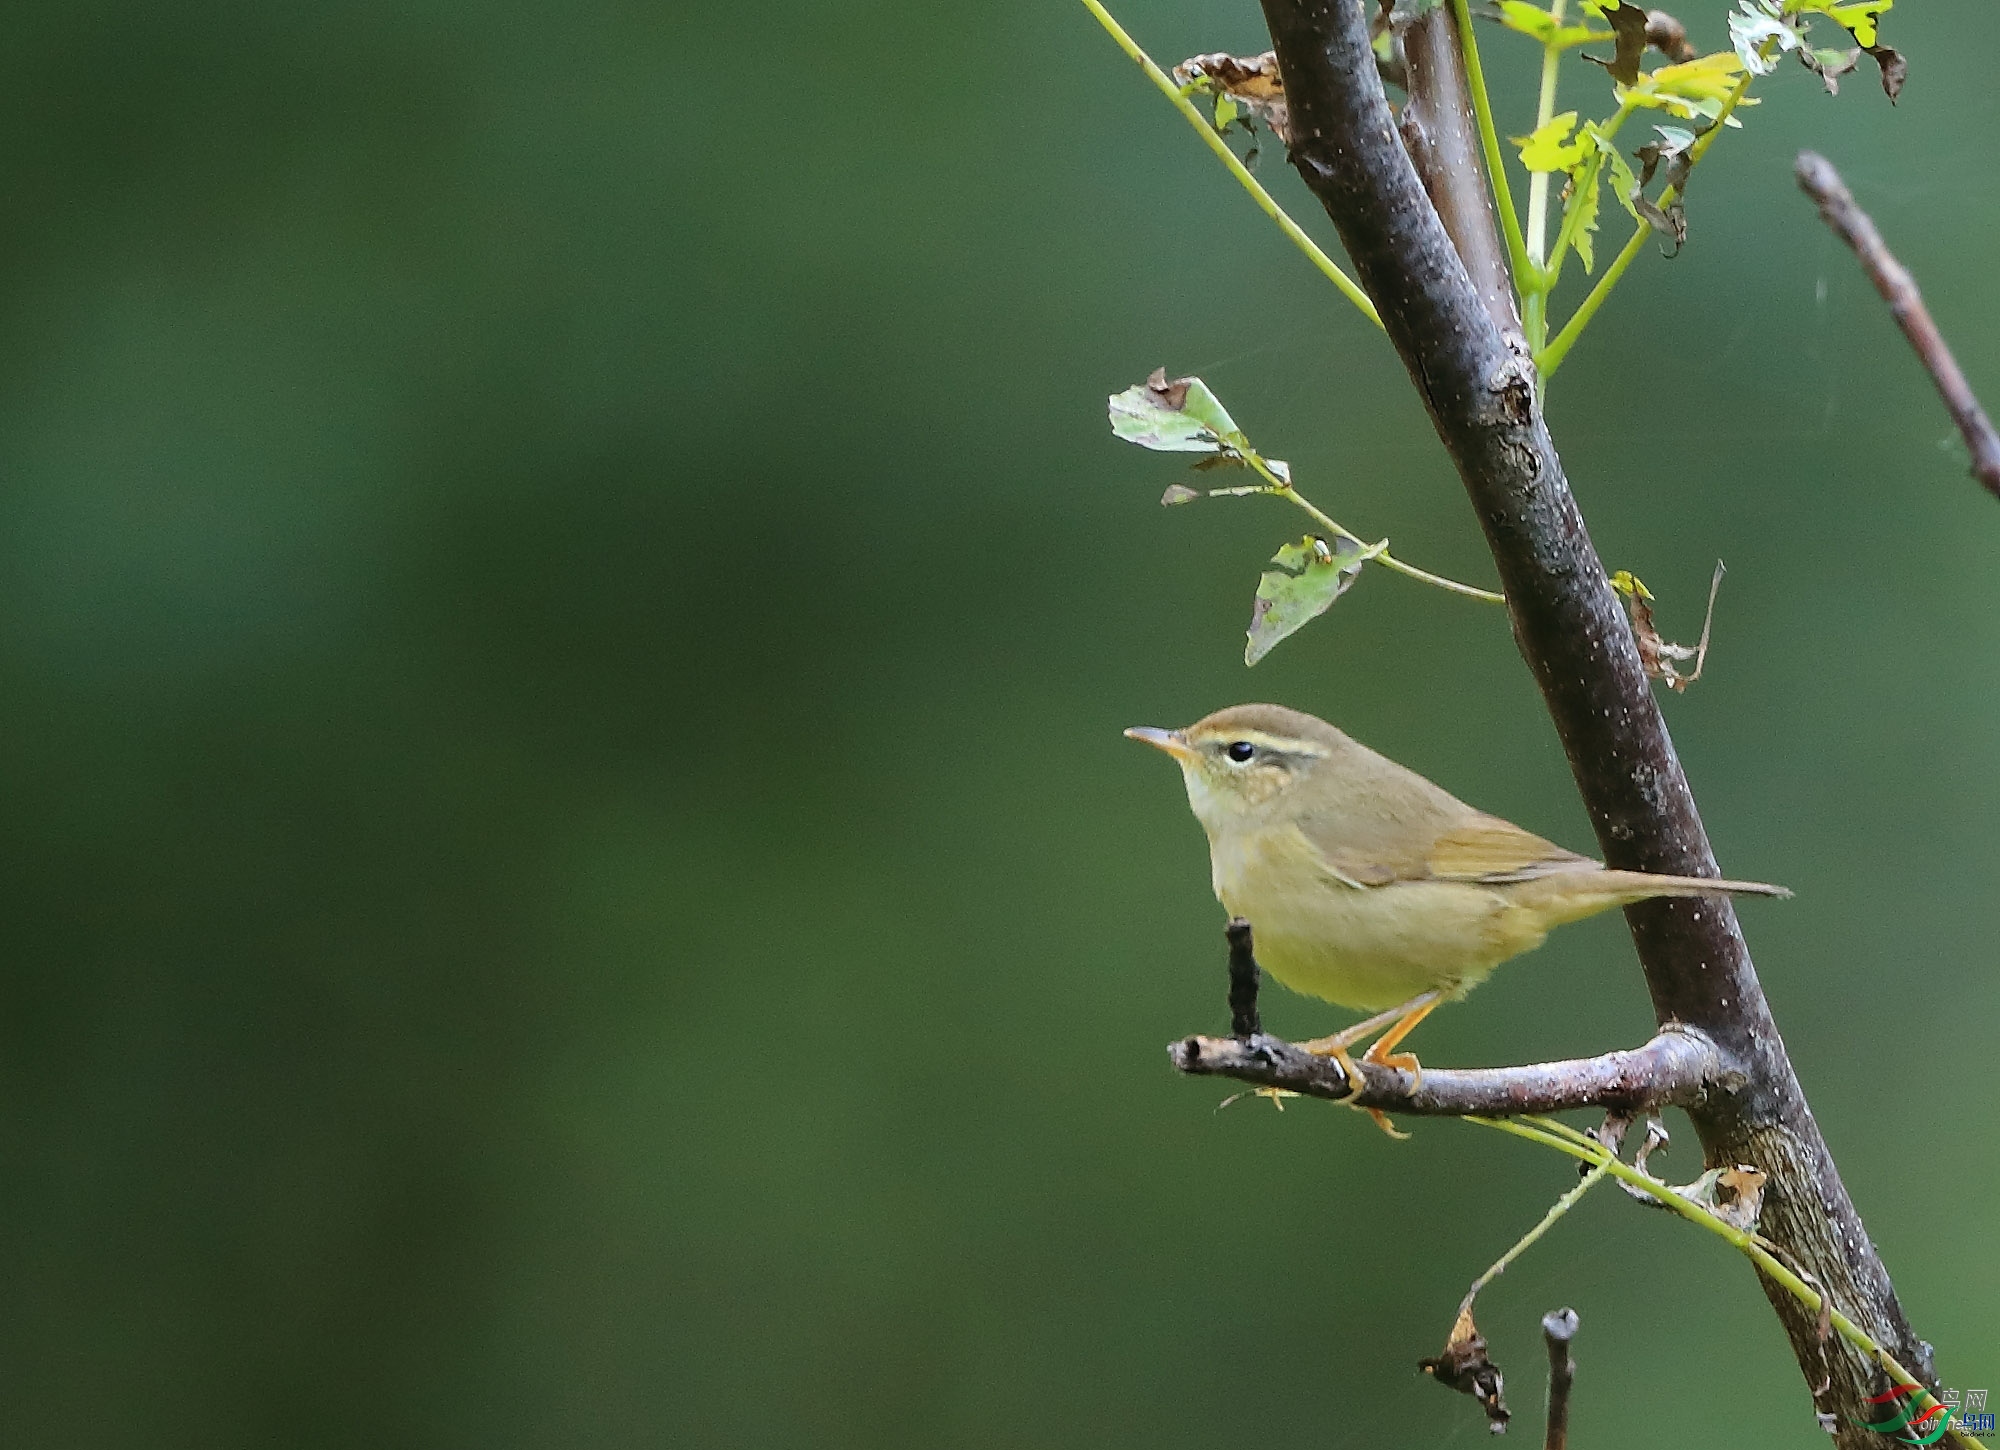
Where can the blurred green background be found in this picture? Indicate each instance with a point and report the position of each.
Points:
(572, 876)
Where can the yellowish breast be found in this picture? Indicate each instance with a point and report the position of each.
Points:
(1365, 947)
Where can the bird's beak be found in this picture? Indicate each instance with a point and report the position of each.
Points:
(1171, 741)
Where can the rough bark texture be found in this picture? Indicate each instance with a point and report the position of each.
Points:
(1576, 640)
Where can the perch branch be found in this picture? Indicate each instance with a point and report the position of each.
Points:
(1818, 180)
(1676, 1069)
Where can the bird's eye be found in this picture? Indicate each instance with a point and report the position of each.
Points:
(1240, 750)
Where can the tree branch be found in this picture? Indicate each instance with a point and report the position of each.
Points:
(1577, 642)
(1837, 206)
(1678, 1068)
(1443, 141)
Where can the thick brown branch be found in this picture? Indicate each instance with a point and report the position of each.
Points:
(1676, 1069)
(1443, 139)
(1836, 203)
(1576, 640)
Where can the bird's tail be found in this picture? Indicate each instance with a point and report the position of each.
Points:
(1572, 895)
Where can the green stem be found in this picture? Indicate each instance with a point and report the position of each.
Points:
(1538, 183)
(1382, 556)
(1565, 1139)
(1489, 143)
(1548, 359)
(1556, 1210)
(1349, 288)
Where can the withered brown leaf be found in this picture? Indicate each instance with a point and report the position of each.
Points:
(1252, 82)
(1463, 1366)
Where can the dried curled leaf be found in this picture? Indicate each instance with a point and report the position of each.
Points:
(1895, 70)
(1464, 1367)
(1734, 1195)
(1311, 574)
(1668, 36)
(1628, 23)
(1250, 84)
(1655, 654)
(1829, 65)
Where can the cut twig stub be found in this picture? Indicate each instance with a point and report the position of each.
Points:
(1464, 1367)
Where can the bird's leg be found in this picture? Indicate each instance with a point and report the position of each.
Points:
(1399, 1021)
(1336, 1046)
(1414, 1011)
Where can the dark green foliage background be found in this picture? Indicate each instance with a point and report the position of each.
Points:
(572, 879)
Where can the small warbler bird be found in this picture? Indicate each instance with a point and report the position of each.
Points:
(1367, 885)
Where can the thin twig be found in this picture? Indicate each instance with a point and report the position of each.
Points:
(1837, 206)
(1558, 1329)
(1527, 1240)
(1266, 203)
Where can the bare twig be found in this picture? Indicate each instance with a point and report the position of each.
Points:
(1837, 206)
(1677, 1068)
(1558, 1329)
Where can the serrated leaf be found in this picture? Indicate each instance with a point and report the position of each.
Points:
(1548, 147)
(1695, 88)
(1753, 27)
(1579, 221)
(1857, 17)
(1623, 183)
(1311, 574)
(1177, 416)
(1533, 21)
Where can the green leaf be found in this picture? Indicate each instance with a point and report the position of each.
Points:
(1580, 206)
(1858, 17)
(1694, 88)
(1623, 183)
(1533, 21)
(1311, 574)
(1549, 147)
(1181, 416)
(1226, 110)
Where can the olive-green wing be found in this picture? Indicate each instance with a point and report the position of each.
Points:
(1476, 848)
(1491, 851)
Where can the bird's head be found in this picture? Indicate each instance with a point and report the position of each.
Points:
(1246, 765)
